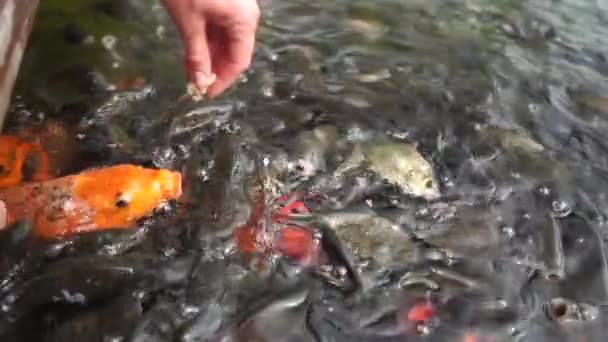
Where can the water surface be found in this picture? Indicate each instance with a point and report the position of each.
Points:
(508, 100)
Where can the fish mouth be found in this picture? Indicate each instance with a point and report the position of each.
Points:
(170, 184)
(176, 187)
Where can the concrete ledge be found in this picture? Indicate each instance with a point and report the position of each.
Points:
(16, 20)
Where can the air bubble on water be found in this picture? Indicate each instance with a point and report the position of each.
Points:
(369, 203)
(449, 96)
(5, 307)
(341, 271)
(110, 338)
(424, 328)
(561, 208)
(399, 134)
(73, 298)
(374, 77)
(204, 175)
(508, 231)
(356, 101)
(160, 32)
(169, 252)
(435, 255)
(109, 41)
(589, 312)
(423, 211)
(356, 133)
(334, 88)
(139, 294)
(544, 190)
(515, 332)
(89, 40)
(267, 90)
(534, 108)
(163, 156)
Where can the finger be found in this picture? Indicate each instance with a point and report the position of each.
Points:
(197, 59)
(232, 60)
(3, 215)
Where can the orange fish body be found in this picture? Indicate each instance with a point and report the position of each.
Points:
(98, 199)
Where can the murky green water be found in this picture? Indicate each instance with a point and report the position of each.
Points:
(507, 100)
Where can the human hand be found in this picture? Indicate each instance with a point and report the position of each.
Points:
(219, 37)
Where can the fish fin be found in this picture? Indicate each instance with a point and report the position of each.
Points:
(62, 218)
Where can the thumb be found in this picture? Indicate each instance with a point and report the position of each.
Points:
(197, 59)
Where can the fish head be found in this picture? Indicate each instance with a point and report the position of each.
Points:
(423, 183)
(402, 164)
(122, 194)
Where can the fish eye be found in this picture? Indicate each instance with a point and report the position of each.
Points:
(121, 202)
(428, 184)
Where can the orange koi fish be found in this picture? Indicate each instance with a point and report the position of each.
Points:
(97, 199)
(35, 154)
(15, 154)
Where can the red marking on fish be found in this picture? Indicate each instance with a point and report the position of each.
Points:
(295, 242)
(420, 312)
(298, 243)
(470, 337)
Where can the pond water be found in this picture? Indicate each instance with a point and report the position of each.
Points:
(345, 106)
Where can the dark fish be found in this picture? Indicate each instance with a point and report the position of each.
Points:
(113, 320)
